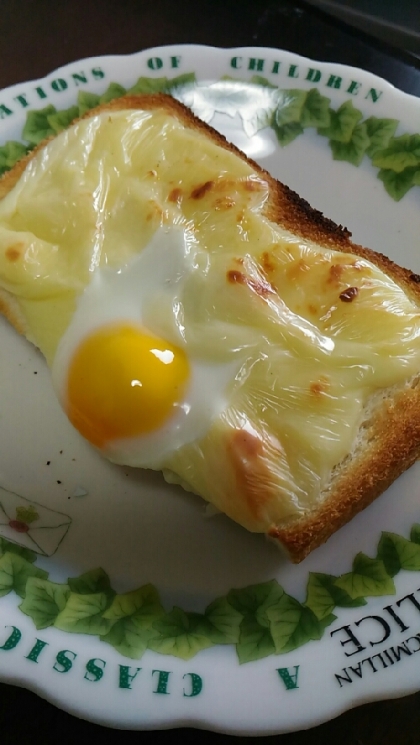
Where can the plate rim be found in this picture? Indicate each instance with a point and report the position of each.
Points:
(249, 49)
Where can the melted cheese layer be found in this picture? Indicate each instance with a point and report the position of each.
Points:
(316, 331)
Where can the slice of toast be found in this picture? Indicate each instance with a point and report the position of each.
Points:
(260, 463)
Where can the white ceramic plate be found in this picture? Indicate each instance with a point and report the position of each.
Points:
(214, 628)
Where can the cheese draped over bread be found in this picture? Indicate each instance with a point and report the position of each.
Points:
(312, 333)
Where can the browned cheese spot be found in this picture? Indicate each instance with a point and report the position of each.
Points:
(13, 253)
(313, 310)
(335, 273)
(319, 387)
(348, 295)
(253, 478)
(260, 287)
(200, 191)
(224, 203)
(267, 262)
(298, 268)
(175, 195)
(225, 184)
(234, 275)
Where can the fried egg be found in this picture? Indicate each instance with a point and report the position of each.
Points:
(123, 371)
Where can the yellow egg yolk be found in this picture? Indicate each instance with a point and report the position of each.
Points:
(124, 382)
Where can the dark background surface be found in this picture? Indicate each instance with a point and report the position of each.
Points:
(395, 22)
(37, 36)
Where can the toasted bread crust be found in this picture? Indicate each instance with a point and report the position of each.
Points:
(390, 444)
(389, 440)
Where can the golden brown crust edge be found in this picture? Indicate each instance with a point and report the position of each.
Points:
(390, 444)
(392, 438)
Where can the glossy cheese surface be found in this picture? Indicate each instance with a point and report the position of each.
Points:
(307, 334)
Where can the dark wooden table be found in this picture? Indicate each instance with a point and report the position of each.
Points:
(37, 36)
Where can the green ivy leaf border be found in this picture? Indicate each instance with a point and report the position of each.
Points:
(259, 620)
(351, 137)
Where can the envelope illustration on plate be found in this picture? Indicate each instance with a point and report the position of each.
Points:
(30, 524)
